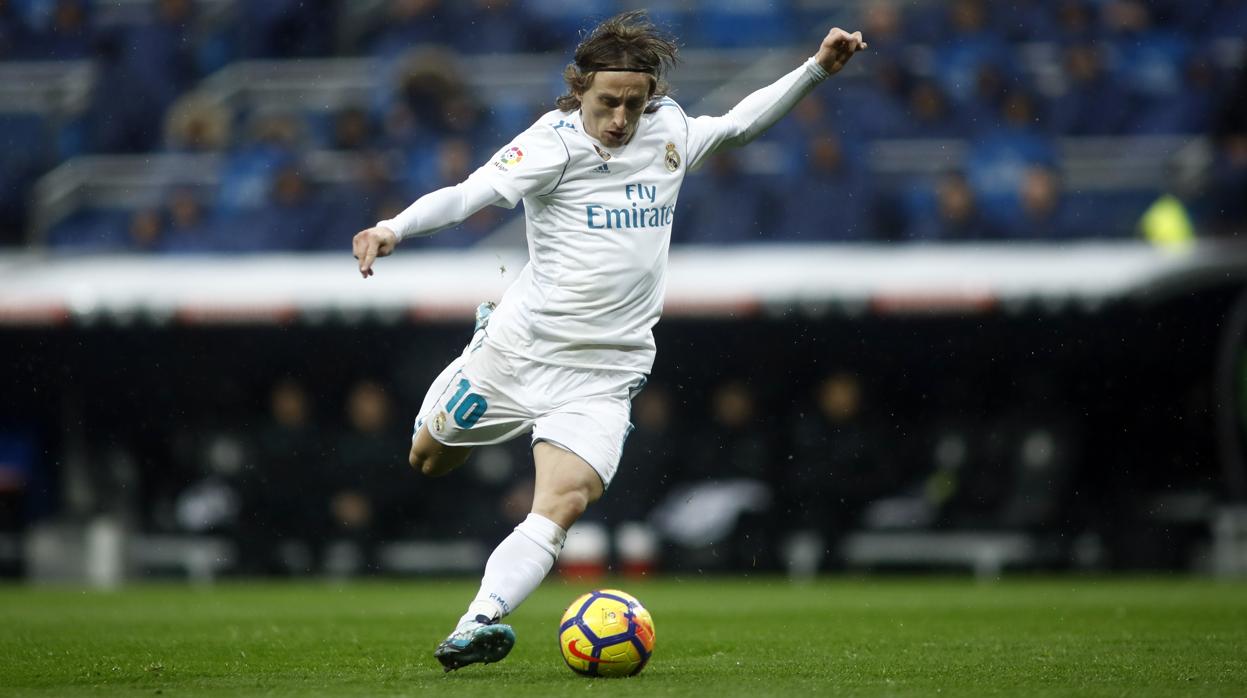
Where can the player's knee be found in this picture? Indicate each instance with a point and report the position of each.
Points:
(575, 503)
(569, 505)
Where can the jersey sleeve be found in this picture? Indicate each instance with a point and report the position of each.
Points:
(442, 209)
(532, 164)
(753, 115)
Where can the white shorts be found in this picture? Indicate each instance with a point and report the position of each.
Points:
(487, 396)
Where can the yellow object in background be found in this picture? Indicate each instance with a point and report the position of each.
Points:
(1167, 224)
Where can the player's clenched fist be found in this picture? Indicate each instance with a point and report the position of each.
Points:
(837, 48)
(370, 244)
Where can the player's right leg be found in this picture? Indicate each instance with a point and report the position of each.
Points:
(428, 455)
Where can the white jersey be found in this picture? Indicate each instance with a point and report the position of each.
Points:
(599, 226)
(599, 223)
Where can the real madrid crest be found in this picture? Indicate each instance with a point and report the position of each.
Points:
(605, 155)
(439, 422)
(673, 158)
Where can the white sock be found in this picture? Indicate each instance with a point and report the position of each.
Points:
(516, 568)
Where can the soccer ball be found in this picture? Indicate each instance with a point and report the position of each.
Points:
(606, 633)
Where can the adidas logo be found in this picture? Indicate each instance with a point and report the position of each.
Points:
(602, 169)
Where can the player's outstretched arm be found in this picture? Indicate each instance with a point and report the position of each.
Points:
(430, 213)
(761, 109)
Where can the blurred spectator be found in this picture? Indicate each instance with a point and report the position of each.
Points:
(734, 443)
(293, 218)
(1033, 445)
(884, 24)
(197, 126)
(998, 158)
(884, 99)
(1091, 103)
(1150, 60)
(453, 163)
(725, 205)
(984, 110)
(284, 494)
(929, 114)
(652, 458)
(838, 460)
(372, 491)
(432, 101)
(501, 474)
(728, 485)
(247, 178)
(147, 230)
(947, 474)
(353, 129)
(1076, 21)
(372, 196)
(968, 49)
(953, 216)
(67, 35)
(1044, 213)
(1187, 109)
(828, 200)
(1171, 85)
(189, 230)
(142, 70)
(197, 487)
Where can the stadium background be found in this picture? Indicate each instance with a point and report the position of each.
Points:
(1042, 367)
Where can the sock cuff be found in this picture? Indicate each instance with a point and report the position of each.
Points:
(544, 532)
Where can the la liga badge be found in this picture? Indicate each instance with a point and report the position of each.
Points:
(511, 157)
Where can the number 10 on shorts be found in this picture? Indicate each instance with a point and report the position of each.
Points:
(470, 405)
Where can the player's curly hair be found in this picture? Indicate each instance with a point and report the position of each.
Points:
(626, 41)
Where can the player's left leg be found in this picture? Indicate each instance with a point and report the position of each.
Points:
(576, 448)
(565, 485)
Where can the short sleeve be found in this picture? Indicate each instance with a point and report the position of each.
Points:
(530, 165)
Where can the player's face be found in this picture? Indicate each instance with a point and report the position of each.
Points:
(612, 106)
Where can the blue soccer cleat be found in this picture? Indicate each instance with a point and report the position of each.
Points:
(483, 641)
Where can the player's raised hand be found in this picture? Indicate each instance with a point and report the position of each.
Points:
(370, 244)
(837, 48)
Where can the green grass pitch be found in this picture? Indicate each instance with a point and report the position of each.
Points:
(716, 637)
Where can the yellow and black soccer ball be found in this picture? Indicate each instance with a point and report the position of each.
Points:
(606, 633)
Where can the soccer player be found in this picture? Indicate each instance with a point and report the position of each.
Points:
(570, 343)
